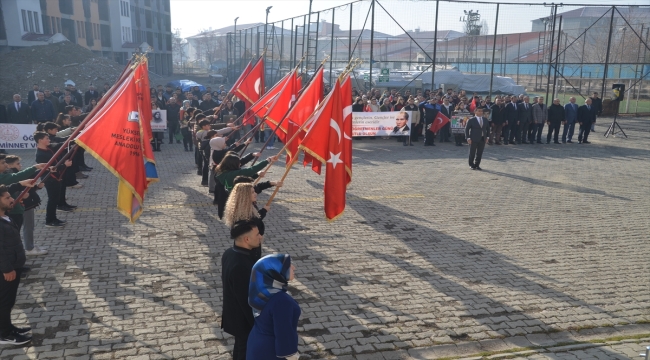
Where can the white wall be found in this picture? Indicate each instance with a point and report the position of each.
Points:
(13, 18)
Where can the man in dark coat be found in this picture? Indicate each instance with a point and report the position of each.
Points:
(236, 265)
(17, 111)
(511, 126)
(586, 118)
(173, 118)
(208, 103)
(430, 109)
(597, 104)
(498, 119)
(12, 260)
(555, 119)
(43, 110)
(525, 116)
(90, 94)
(477, 130)
(32, 95)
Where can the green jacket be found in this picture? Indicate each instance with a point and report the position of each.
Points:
(227, 178)
(12, 178)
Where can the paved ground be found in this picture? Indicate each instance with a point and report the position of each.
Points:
(546, 247)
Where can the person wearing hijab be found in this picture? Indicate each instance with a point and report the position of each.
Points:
(276, 313)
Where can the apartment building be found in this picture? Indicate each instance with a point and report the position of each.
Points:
(114, 29)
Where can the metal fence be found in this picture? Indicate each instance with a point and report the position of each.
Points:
(549, 49)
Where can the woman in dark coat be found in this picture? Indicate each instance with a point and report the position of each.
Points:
(275, 333)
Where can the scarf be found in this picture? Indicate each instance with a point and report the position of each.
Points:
(269, 276)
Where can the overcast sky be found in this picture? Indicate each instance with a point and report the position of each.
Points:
(192, 16)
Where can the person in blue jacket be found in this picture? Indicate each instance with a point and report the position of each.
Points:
(275, 333)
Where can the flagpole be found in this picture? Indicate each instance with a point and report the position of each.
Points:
(277, 188)
(128, 70)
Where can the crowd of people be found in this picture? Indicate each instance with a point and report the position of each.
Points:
(257, 310)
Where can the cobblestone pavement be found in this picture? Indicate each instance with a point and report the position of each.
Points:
(545, 247)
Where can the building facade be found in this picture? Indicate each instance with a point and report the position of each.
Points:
(114, 29)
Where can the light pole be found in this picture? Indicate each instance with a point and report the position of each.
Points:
(236, 57)
(624, 28)
(268, 9)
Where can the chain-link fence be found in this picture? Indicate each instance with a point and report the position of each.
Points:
(543, 49)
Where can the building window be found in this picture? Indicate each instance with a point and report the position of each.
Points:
(37, 25)
(31, 21)
(25, 25)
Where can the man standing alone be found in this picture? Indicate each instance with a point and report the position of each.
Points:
(476, 133)
(236, 265)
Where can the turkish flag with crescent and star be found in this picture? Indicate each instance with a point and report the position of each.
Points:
(262, 106)
(305, 106)
(324, 141)
(437, 124)
(281, 105)
(251, 88)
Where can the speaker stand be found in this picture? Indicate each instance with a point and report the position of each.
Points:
(612, 127)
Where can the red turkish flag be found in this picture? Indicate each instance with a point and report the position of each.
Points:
(472, 105)
(324, 142)
(437, 124)
(251, 88)
(305, 106)
(282, 104)
(346, 100)
(262, 106)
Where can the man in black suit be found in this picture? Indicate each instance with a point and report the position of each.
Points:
(18, 111)
(476, 133)
(236, 265)
(511, 128)
(586, 117)
(32, 95)
(90, 94)
(525, 116)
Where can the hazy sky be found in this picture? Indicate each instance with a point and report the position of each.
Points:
(191, 16)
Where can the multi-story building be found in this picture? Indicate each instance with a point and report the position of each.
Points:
(114, 29)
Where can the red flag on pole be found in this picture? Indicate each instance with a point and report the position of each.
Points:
(300, 112)
(262, 106)
(282, 104)
(324, 142)
(346, 101)
(437, 124)
(251, 87)
(472, 105)
(114, 139)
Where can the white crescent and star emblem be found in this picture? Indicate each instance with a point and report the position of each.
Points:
(335, 159)
(336, 127)
(257, 85)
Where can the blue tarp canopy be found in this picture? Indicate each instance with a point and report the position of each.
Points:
(185, 85)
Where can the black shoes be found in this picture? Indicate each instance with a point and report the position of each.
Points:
(56, 223)
(15, 339)
(586, 142)
(85, 168)
(65, 208)
(555, 142)
(477, 168)
(472, 167)
(22, 331)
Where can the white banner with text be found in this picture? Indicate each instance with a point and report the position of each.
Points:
(381, 123)
(17, 136)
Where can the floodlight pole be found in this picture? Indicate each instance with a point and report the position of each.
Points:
(494, 49)
(435, 48)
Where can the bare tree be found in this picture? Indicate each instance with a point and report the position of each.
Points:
(210, 47)
(179, 50)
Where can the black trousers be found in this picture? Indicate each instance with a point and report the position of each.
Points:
(187, 138)
(429, 137)
(476, 152)
(55, 189)
(416, 132)
(8, 291)
(524, 131)
(585, 129)
(173, 129)
(205, 171)
(553, 130)
(239, 350)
